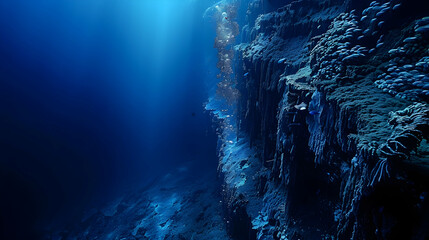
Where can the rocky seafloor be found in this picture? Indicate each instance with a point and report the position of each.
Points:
(328, 138)
(182, 204)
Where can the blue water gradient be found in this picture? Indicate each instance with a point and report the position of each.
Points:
(96, 97)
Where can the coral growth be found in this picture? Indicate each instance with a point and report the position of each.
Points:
(326, 108)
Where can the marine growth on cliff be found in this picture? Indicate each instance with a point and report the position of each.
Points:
(331, 122)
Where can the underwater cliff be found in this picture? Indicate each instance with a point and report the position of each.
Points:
(320, 108)
(330, 128)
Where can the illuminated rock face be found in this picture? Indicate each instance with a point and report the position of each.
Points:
(328, 141)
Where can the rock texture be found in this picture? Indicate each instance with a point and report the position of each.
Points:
(183, 204)
(328, 139)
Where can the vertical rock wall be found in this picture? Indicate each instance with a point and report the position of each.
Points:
(329, 135)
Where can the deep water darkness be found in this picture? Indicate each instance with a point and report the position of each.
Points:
(97, 97)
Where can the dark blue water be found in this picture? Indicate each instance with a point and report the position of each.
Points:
(97, 97)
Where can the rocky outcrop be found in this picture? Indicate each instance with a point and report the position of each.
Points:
(328, 139)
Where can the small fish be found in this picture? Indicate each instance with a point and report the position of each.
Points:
(245, 75)
(410, 39)
(314, 112)
(301, 106)
(281, 60)
(379, 45)
(396, 6)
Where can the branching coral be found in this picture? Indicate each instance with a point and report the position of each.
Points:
(380, 170)
(411, 126)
